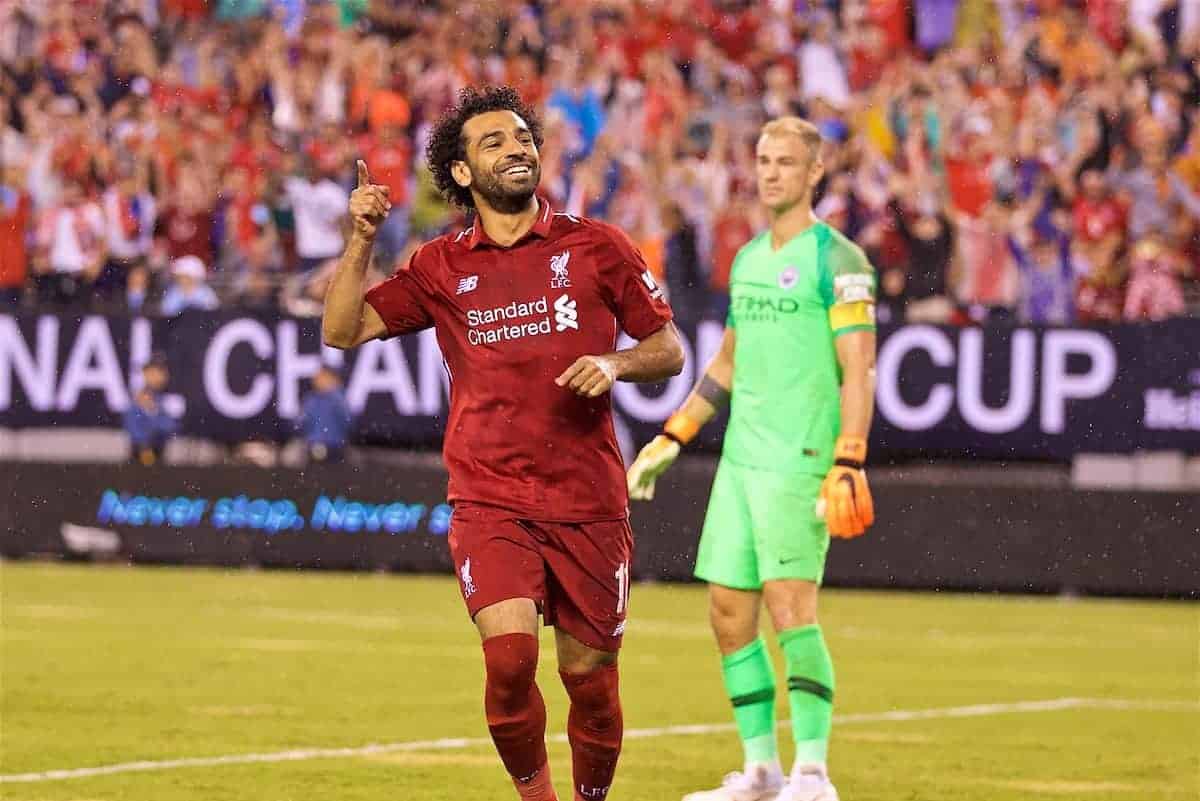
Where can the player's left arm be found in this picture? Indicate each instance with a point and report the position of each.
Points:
(654, 358)
(856, 356)
(849, 508)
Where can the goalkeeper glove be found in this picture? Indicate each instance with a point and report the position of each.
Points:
(659, 454)
(845, 496)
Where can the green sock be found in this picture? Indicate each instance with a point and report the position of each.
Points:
(810, 691)
(750, 682)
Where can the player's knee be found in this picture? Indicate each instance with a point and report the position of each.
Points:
(787, 614)
(509, 683)
(733, 627)
(786, 619)
(511, 664)
(791, 604)
(595, 696)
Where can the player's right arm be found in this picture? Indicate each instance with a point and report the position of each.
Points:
(348, 321)
(703, 403)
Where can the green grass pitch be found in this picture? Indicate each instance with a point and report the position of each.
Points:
(113, 665)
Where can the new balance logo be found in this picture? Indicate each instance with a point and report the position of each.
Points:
(619, 630)
(565, 315)
(467, 582)
(558, 266)
(467, 284)
(529, 778)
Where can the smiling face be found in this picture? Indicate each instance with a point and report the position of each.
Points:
(502, 167)
(787, 168)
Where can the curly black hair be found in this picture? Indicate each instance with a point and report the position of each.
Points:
(446, 144)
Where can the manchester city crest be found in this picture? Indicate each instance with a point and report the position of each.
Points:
(788, 278)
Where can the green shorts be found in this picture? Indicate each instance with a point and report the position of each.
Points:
(762, 526)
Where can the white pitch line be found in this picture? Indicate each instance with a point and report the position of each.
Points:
(984, 710)
(455, 743)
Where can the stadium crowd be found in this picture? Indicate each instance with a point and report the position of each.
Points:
(1036, 160)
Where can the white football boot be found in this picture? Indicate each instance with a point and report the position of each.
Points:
(808, 787)
(758, 783)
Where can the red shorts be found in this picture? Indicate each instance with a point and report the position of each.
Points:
(577, 573)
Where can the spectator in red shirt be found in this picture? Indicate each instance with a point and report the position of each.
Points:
(1108, 18)
(1155, 292)
(1099, 229)
(330, 147)
(986, 272)
(731, 230)
(257, 153)
(967, 173)
(186, 225)
(16, 216)
(734, 27)
(868, 56)
(1099, 218)
(523, 74)
(892, 18)
(188, 9)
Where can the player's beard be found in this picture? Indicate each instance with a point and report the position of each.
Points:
(503, 193)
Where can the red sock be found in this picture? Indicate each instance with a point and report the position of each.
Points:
(594, 729)
(516, 713)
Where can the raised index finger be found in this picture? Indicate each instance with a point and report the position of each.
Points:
(363, 178)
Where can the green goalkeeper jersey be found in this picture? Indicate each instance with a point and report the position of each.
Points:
(787, 307)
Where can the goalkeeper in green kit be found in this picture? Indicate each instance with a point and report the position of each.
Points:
(797, 360)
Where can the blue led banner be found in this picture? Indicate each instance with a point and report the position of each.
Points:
(324, 516)
(392, 517)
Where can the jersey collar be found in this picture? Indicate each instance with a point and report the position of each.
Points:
(541, 228)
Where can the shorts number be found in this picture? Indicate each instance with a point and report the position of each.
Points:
(622, 587)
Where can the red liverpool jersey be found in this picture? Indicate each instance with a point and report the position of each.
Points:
(509, 321)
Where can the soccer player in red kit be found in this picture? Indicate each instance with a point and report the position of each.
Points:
(526, 304)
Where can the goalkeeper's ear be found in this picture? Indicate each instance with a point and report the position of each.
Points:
(816, 172)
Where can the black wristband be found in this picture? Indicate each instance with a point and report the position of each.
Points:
(851, 463)
(673, 438)
(714, 393)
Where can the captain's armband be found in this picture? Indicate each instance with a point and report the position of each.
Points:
(847, 317)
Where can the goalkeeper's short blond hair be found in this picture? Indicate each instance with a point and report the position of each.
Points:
(798, 127)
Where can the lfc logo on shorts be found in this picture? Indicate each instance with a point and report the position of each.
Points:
(558, 266)
(467, 582)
